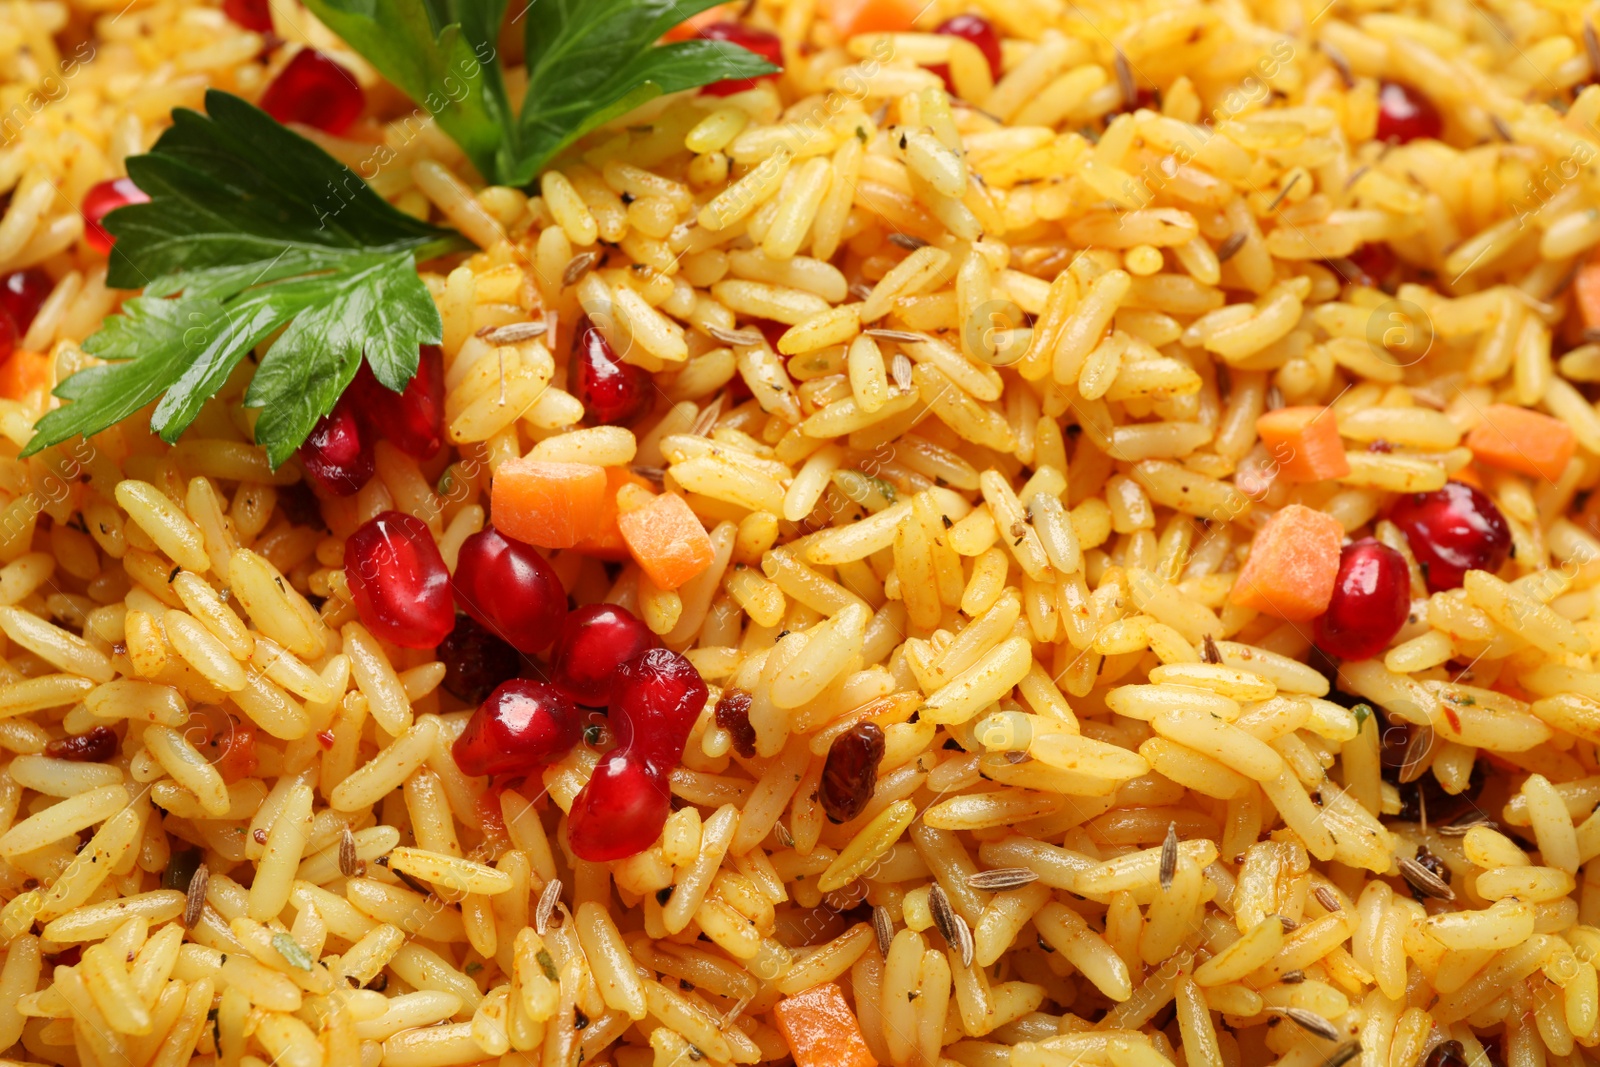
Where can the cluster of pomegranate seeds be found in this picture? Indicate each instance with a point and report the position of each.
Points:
(337, 455)
(314, 91)
(850, 773)
(399, 582)
(981, 32)
(610, 390)
(475, 661)
(762, 42)
(413, 420)
(524, 725)
(595, 642)
(1404, 114)
(655, 699)
(96, 745)
(249, 14)
(101, 200)
(509, 588)
(1452, 531)
(1371, 597)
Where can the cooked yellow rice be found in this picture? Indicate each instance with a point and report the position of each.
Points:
(984, 579)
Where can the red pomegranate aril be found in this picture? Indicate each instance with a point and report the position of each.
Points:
(315, 91)
(475, 661)
(1404, 114)
(656, 698)
(509, 588)
(1375, 261)
(981, 32)
(399, 582)
(524, 725)
(621, 810)
(1371, 597)
(412, 420)
(1452, 531)
(595, 641)
(250, 14)
(337, 456)
(22, 294)
(10, 336)
(610, 390)
(761, 42)
(101, 200)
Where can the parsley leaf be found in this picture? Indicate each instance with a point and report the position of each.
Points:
(250, 228)
(591, 61)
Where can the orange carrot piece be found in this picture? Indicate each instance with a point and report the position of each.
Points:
(1293, 562)
(24, 373)
(821, 1029)
(1304, 442)
(1521, 440)
(690, 27)
(1586, 292)
(608, 543)
(552, 505)
(851, 17)
(667, 539)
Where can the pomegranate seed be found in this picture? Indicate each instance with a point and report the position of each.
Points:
(22, 294)
(510, 589)
(414, 419)
(610, 390)
(761, 42)
(9, 336)
(1452, 531)
(95, 746)
(595, 641)
(337, 456)
(315, 91)
(250, 14)
(1371, 597)
(850, 773)
(100, 201)
(524, 725)
(399, 582)
(475, 661)
(621, 810)
(981, 32)
(1376, 263)
(656, 698)
(1404, 114)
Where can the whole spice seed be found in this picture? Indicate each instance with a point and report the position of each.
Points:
(194, 901)
(1425, 881)
(1327, 898)
(860, 290)
(348, 859)
(1209, 652)
(547, 903)
(1343, 1054)
(514, 334)
(1293, 977)
(578, 266)
(883, 926)
(901, 368)
(1230, 247)
(1125, 82)
(1002, 878)
(906, 336)
(952, 927)
(1459, 826)
(1415, 761)
(1591, 47)
(906, 241)
(1309, 1021)
(1339, 63)
(744, 338)
(1169, 856)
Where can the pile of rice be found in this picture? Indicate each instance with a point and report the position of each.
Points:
(994, 486)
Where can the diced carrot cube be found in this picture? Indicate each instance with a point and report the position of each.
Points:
(821, 1029)
(24, 373)
(690, 28)
(667, 539)
(608, 543)
(1586, 292)
(552, 505)
(1304, 443)
(850, 17)
(1521, 440)
(1293, 563)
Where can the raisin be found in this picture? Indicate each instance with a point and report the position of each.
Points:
(476, 661)
(733, 715)
(851, 771)
(1447, 1054)
(96, 746)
